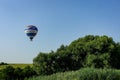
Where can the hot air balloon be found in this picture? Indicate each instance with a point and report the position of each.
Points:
(31, 31)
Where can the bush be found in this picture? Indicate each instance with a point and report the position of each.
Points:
(89, 51)
(2, 63)
(11, 73)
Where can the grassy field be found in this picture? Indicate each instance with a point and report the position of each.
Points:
(83, 74)
(15, 65)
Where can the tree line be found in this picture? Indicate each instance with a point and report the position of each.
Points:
(89, 51)
(11, 73)
(3, 63)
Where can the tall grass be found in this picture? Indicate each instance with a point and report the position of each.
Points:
(83, 74)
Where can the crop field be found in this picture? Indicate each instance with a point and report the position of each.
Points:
(15, 65)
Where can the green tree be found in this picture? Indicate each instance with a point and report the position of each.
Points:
(18, 74)
(28, 72)
(89, 51)
(8, 73)
(115, 57)
(40, 63)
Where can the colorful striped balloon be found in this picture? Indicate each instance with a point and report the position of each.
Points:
(31, 31)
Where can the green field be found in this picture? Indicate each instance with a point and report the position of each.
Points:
(15, 65)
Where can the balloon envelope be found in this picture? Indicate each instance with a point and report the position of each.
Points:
(31, 31)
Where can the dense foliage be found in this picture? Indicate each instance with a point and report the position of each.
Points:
(89, 51)
(83, 74)
(11, 73)
(3, 63)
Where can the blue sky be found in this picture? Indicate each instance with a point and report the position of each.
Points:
(59, 22)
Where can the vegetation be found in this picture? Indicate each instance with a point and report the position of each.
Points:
(2, 66)
(89, 51)
(11, 73)
(95, 58)
(2, 63)
(83, 74)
